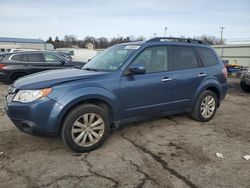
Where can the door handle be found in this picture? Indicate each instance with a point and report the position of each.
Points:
(202, 74)
(165, 79)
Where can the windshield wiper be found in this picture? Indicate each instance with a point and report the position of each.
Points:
(91, 69)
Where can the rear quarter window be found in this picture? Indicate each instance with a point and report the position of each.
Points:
(19, 57)
(16, 58)
(208, 56)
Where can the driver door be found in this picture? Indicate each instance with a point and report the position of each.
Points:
(149, 93)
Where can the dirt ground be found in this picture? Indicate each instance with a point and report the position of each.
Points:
(174, 151)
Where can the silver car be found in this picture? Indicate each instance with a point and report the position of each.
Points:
(245, 81)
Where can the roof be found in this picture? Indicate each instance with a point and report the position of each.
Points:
(21, 40)
(177, 40)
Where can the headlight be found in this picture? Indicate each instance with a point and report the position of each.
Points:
(25, 96)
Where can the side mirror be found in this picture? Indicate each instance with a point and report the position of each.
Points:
(137, 69)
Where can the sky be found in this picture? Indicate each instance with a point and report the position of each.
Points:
(112, 18)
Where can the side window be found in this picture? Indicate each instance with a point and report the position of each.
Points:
(51, 58)
(36, 57)
(155, 59)
(20, 57)
(16, 58)
(208, 56)
(183, 58)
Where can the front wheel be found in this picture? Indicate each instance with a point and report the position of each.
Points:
(205, 107)
(85, 128)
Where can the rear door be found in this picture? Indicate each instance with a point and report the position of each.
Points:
(188, 73)
(20, 63)
(36, 62)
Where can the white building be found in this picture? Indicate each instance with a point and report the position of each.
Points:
(6, 44)
(235, 54)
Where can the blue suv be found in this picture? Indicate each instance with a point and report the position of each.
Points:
(125, 83)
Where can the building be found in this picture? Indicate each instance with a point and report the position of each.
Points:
(234, 54)
(89, 46)
(6, 44)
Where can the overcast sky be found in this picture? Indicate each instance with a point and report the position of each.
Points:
(112, 18)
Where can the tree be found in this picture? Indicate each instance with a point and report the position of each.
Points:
(70, 40)
(210, 39)
(50, 40)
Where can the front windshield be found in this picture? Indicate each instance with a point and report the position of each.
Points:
(111, 59)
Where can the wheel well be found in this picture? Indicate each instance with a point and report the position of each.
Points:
(17, 73)
(103, 104)
(216, 91)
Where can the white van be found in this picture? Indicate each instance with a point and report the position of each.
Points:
(79, 54)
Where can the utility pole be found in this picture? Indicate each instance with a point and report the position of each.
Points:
(154, 35)
(221, 34)
(165, 31)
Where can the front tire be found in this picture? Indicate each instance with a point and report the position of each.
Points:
(244, 87)
(205, 107)
(85, 128)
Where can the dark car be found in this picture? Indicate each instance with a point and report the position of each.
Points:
(19, 64)
(125, 83)
(245, 80)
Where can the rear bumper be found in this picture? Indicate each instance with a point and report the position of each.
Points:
(37, 118)
(224, 89)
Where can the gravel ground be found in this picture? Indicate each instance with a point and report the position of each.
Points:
(174, 151)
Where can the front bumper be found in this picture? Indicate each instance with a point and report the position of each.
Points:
(36, 118)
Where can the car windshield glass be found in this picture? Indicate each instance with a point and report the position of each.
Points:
(111, 59)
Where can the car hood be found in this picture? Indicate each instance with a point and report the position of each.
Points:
(49, 78)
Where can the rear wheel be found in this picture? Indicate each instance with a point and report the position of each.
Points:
(205, 107)
(85, 128)
(244, 87)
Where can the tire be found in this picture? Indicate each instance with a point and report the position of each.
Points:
(201, 106)
(244, 87)
(81, 120)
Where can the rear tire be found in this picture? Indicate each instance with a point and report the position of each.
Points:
(244, 87)
(85, 128)
(205, 107)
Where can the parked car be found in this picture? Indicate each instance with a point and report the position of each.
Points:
(124, 83)
(65, 55)
(245, 80)
(19, 64)
(79, 54)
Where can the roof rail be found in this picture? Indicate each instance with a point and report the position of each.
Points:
(173, 39)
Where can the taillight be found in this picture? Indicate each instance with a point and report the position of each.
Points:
(2, 66)
(224, 71)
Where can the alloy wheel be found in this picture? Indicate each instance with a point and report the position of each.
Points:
(208, 106)
(88, 129)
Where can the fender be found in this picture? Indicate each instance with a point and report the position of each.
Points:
(86, 93)
(209, 82)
